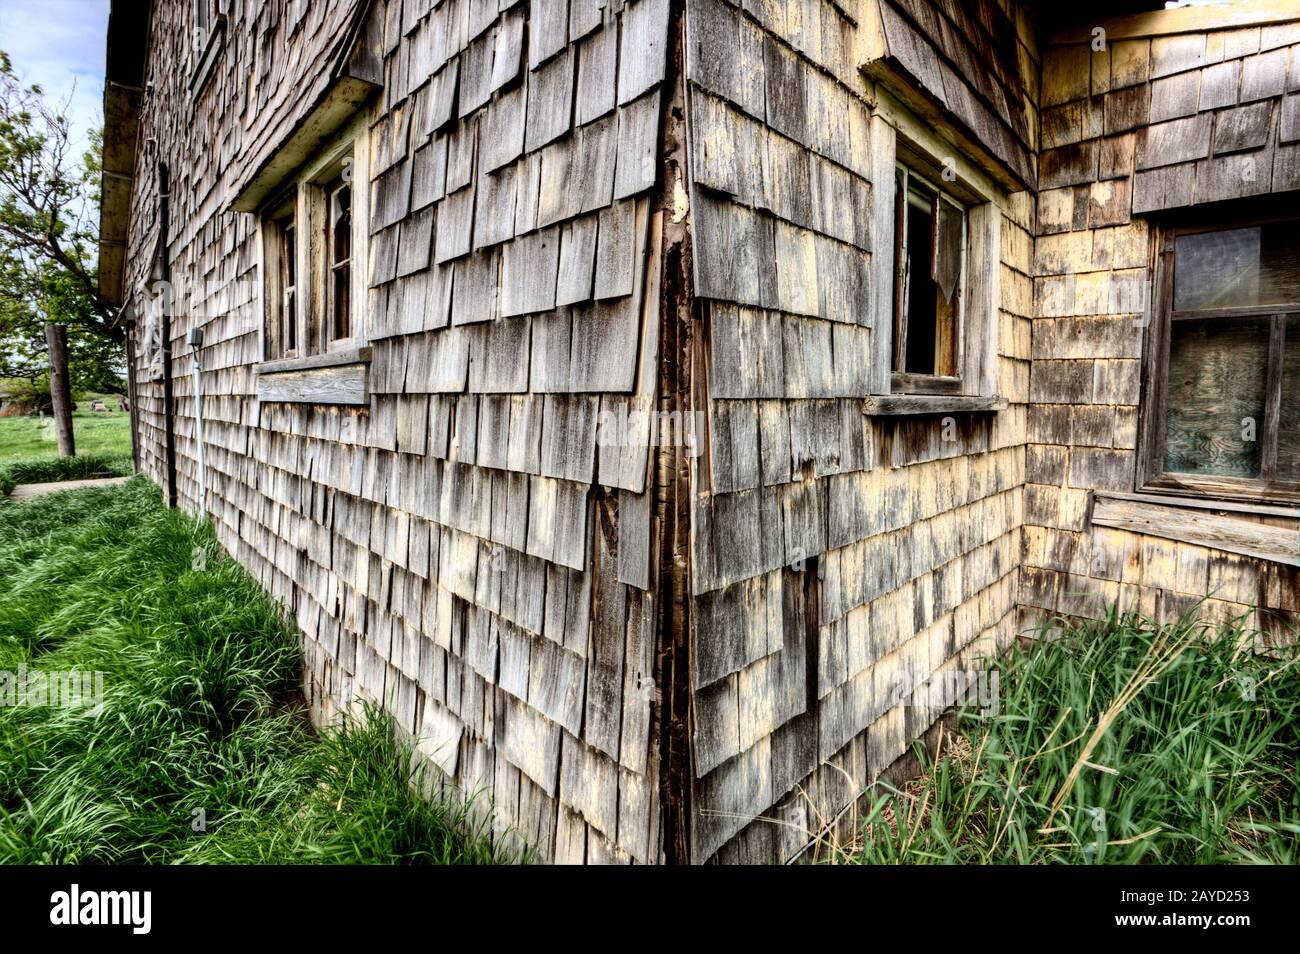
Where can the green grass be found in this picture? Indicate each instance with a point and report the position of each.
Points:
(199, 709)
(1120, 742)
(41, 470)
(105, 434)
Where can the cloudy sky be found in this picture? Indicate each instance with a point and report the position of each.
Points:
(60, 45)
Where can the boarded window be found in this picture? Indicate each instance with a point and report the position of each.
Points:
(1215, 389)
(1227, 387)
(930, 247)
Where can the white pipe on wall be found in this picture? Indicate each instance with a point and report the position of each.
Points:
(196, 342)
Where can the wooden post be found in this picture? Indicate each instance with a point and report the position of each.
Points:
(56, 337)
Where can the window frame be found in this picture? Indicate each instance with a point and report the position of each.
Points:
(287, 337)
(333, 263)
(346, 155)
(897, 137)
(903, 381)
(1151, 474)
(207, 35)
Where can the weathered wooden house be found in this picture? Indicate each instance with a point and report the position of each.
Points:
(648, 400)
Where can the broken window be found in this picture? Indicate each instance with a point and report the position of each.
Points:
(309, 238)
(282, 277)
(929, 256)
(1226, 418)
(338, 242)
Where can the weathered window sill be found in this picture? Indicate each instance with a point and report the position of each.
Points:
(890, 405)
(1234, 528)
(1202, 502)
(1219, 492)
(338, 377)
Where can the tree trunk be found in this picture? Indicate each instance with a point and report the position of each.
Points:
(56, 336)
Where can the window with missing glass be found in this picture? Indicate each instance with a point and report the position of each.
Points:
(312, 292)
(929, 258)
(338, 257)
(280, 244)
(934, 332)
(1222, 413)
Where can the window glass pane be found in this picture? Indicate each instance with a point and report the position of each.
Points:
(291, 320)
(284, 328)
(339, 209)
(342, 278)
(947, 259)
(1237, 268)
(341, 215)
(1288, 429)
(947, 276)
(1214, 408)
(290, 261)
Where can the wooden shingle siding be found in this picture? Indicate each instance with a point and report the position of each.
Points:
(967, 61)
(1189, 119)
(1208, 110)
(584, 212)
(829, 549)
(447, 548)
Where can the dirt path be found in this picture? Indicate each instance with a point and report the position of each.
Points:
(28, 491)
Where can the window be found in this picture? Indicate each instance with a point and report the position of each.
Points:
(937, 226)
(338, 240)
(207, 29)
(309, 237)
(1223, 410)
(929, 262)
(282, 282)
(150, 341)
(204, 14)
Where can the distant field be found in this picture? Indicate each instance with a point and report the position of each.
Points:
(105, 434)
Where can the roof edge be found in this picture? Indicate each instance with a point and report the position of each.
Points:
(125, 60)
(1195, 19)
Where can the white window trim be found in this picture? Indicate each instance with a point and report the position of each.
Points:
(981, 293)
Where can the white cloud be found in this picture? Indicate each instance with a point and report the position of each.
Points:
(60, 45)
